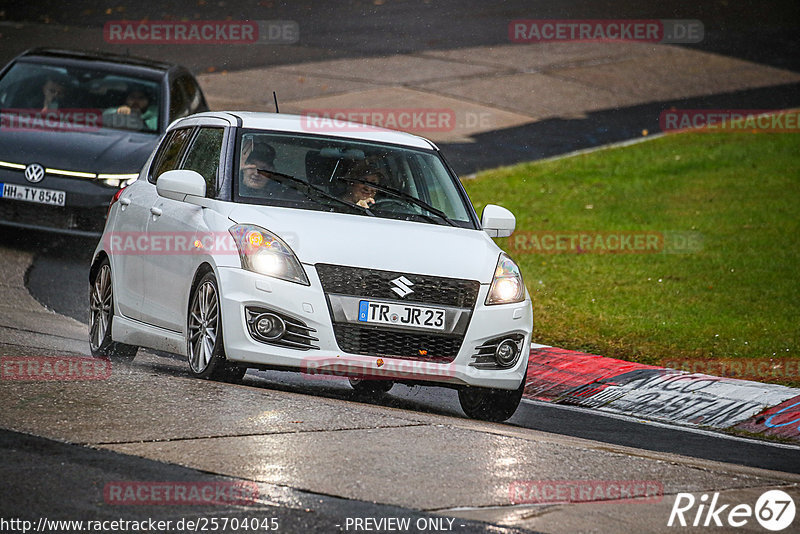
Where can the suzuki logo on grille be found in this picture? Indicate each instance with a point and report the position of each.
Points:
(34, 173)
(401, 286)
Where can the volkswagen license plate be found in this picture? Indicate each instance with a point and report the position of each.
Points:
(33, 194)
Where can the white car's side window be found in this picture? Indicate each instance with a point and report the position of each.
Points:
(204, 156)
(169, 153)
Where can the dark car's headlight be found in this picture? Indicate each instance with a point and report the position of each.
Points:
(507, 286)
(263, 252)
(118, 180)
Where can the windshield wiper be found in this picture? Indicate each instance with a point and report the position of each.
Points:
(410, 199)
(304, 187)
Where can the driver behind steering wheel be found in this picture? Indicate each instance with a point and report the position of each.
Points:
(361, 193)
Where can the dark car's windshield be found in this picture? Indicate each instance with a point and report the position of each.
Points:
(93, 98)
(334, 174)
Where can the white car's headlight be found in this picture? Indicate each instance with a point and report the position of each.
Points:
(263, 252)
(507, 285)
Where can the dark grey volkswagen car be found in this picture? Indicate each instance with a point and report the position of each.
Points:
(75, 127)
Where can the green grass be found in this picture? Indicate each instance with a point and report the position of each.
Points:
(737, 297)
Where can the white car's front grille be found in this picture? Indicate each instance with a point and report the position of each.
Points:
(373, 283)
(372, 340)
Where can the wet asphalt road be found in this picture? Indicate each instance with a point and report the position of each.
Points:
(68, 482)
(59, 280)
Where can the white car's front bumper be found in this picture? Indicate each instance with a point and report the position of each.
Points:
(241, 289)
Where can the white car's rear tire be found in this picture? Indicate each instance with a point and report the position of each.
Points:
(101, 317)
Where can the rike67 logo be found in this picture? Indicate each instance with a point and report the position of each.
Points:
(774, 510)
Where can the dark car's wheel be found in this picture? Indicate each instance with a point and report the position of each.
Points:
(489, 404)
(370, 387)
(101, 306)
(204, 341)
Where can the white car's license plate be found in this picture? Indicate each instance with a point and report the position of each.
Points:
(33, 194)
(401, 315)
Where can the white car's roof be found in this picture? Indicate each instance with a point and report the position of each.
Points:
(282, 122)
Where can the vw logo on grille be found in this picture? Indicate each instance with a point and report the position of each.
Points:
(401, 286)
(34, 173)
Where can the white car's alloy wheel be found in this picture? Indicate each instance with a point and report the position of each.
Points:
(203, 326)
(205, 349)
(101, 306)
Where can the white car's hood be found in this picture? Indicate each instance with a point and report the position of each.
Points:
(376, 243)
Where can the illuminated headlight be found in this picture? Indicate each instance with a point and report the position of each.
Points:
(263, 252)
(507, 285)
(118, 180)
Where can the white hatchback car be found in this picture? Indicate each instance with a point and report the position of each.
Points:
(256, 240)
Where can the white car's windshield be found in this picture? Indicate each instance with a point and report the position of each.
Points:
(117, 101)
(334, 174)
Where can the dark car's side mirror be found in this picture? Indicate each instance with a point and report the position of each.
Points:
(179, 184)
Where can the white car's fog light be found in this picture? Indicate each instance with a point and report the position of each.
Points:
(270, 327)
(506, 353)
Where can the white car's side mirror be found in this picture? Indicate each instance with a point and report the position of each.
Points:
(497, 221)
(179, 184)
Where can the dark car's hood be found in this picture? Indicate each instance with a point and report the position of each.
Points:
(106, 151)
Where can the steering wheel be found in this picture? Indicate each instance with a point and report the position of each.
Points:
(392, 204)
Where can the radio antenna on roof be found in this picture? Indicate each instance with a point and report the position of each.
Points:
(275, 97)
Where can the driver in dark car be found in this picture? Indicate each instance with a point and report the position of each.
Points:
(139, 111)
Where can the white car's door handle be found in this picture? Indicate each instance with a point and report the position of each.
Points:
(156, 211)
(125, 201)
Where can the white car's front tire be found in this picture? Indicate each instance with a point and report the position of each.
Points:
(373, 387)
(205, 349)
(488, 404)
